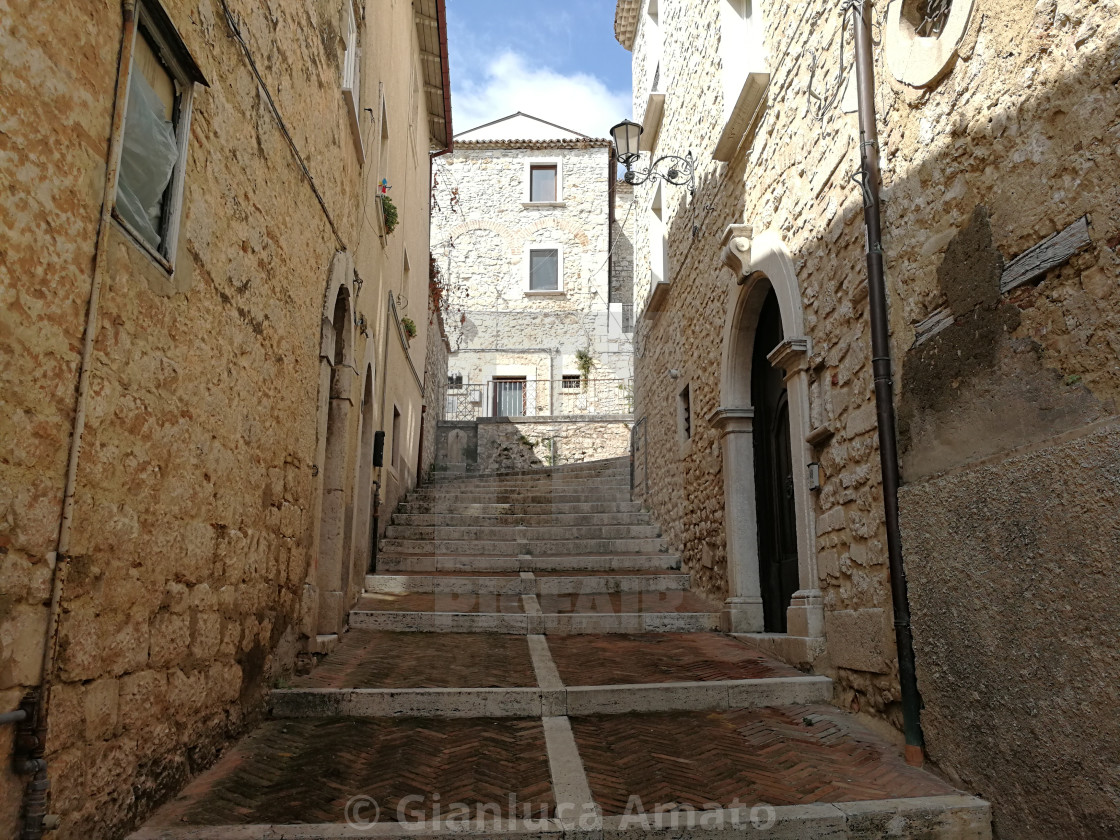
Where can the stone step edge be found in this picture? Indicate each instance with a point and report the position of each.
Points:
(419, 563)
(620, 464)
(947, 817)
(695, 696)
(548, 624)
(573, 584)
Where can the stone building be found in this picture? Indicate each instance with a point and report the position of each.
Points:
(997, 121)
(523, 228)
(204, 322)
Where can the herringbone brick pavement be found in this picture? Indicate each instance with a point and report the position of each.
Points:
(617, 603)
(305, 771)
(777, 756)
(659, 658)
(375, 659)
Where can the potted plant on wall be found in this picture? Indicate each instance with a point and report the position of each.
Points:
(409, 327)
(388, 208)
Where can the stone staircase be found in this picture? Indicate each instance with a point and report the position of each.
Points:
(528, 661)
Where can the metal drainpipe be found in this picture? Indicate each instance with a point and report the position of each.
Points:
(30, 745)
(884, 385)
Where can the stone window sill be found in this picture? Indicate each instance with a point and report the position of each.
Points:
(531, 204)
(545, 293)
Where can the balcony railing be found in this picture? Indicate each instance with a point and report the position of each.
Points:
(510, 397)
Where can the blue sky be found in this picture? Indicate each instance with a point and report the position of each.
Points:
(555, 60)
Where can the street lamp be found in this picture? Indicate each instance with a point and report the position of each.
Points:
(626, 136)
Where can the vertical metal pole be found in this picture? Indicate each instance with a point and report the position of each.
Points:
(884, 385)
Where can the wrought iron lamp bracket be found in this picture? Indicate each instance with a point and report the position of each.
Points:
(680, 172)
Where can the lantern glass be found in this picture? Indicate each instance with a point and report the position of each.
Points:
(626, 136)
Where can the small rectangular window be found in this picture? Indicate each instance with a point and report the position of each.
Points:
(685, 407)
(396, 438)
(351, 75)
(571, 381)
(156, 128)
(542, 183)
(455, 380)
(544, 270)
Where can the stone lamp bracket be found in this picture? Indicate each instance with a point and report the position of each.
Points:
(736, 250)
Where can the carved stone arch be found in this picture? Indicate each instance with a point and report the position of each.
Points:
(761, 264)
(337, 376)
(340, 281)
(505, 233)
(575, 230)
(363, 471)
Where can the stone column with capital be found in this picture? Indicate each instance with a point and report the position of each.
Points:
(742, 612)
(805, 614)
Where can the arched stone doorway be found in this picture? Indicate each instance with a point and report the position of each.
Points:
(775, 510)
(363, 502)
(764, 449)
(336, 511)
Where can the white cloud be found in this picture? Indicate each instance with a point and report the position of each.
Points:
(507, 83)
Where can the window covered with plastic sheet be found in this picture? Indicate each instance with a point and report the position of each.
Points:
(151, 149)
(161, 79)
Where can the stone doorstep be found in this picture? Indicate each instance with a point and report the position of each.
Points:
(518, 509)
(714, 695)
(546, 624)
(539, 548)
(543, 520)
(518, 533)
(524, 563)
(950, 817)
(573, 585)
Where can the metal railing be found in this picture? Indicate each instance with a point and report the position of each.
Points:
(512, 397)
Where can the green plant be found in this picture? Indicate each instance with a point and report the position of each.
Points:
(390, 211)
(585, 361)
(409, 326)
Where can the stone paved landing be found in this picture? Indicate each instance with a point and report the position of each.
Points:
(293, 772)
(375, 659)
(430, 701)
(659, 658)
(778, 756)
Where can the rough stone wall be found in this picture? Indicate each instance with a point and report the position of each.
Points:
(1010, 146)
(190, 579)
(1016, 630)
(480, 229)
(435, 388)
(622, 247)
(504, 444)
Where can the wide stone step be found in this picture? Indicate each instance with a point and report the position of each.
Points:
(547, 624)
(590, 480)
(558, 520)
(574, 496)
(438, 508)
(520, 533)
(620, 466)
(557, 563)
(596, 612)
(525, 584)
(536, 548)
(712, 695)
(381, 674)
